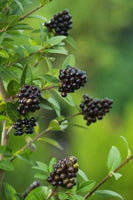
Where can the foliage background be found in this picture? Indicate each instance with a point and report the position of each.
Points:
(103, 32)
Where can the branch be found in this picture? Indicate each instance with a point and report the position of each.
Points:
(28, 14)
(108, 176)
(27, 145)
(4, 142)
(2, 90)
(52, 192)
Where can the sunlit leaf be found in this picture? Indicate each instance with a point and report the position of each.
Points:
(108, 193)
(114, 158)
(70, 60)
(6, 165)
(51, 142)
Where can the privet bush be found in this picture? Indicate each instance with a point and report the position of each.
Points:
(24, 92)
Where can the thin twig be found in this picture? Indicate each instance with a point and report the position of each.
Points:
(70, 117)
(107, 177)
(48, 88)
(2, 90)
(27, 145)
(52, 192)
(28, 14)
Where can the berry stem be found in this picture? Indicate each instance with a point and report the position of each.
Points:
(4, 142)
(2, 90)
(27, 145)
(70, 117)
(48, 88)
(28, 14)
(108, 177)
(52, 192)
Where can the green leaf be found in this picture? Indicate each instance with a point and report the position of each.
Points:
(20, 27)
(54, 125)
(50, 66)
(42, 33)
(116, 175)
(114, 158)
(5, 151)
(38, 193)
(26, 76)
(6, 165)
(57, 51)
(68, 99)
(55, 40)
(71, 197)
(2, 37)
(70, 60)
(41, 166)
(44, 2)
(72, 42)
(83, 175)
(41, 176)
(52, 142)
(12, 20)
(55, 104)
(78, 197)
(108, 193)
(45, 104)
(62, 195)
(51, 163)
(85, 187)
(37, 17)
(128, 149)
(20, 5)
(4, 54)
(12, 112)
(13, 87)
(50, 79)
(10, 192)
(3, 117)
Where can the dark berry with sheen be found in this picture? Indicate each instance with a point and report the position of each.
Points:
(94, 109)
(61, 23)
(71, 79)
(28, 99)
(64, 172)
(24, 126)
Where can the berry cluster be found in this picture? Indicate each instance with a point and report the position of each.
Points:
(28, 99)
(24, 126)
(71, 79)
(64, 172)
(94, 109)
(60, 23)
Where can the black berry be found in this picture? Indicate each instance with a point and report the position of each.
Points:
(28, 99)
(61, 23)
(24, 126)
(71, 79)
(64, 172)
(94, 109)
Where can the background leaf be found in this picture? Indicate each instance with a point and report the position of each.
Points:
(26, 76)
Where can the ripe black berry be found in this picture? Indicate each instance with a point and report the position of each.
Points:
(61, 23)
(71, 79)
(64, 173)
(28, 99)
(94, 109)
(24, 126)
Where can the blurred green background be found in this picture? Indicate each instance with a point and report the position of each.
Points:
(103, 31)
